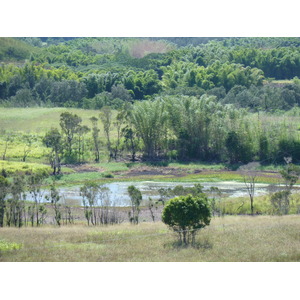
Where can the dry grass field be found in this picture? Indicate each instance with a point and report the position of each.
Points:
(227, 239)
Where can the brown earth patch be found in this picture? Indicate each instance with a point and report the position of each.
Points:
(152, 171)
(85, 168)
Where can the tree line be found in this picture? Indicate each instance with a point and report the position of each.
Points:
(172, 128)
(94, 72)
(188, 128)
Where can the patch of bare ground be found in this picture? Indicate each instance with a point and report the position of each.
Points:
(270, 174)
(83, 168)
(152, 171)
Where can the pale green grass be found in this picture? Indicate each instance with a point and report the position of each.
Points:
(262, 205)
(79, 178)
(197, 165)
(15, 149)
(219, 176)
(235, 238)
(27, 167)
(283, 81)
(39, 120)
(22, 167)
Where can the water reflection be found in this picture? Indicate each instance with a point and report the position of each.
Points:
(119, 195)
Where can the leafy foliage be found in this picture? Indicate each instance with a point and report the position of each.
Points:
(186, 215)
(72, 72)
(135, 198)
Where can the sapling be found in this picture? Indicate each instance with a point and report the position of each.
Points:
(54, 198)
(135, 198)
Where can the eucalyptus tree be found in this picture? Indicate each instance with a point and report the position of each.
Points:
(119, 125)
(96, 141)
(135, 199)
(131, 141)
(8, 139)
(98, 207)
(4, 190)
(28, 140)
(89, 193)
(106, 118)
(35, 183)
(151, 205)
(82, 131)
(106, 211)
(15, 209)
(53, 140)
(128, 132)
(70, 125)
(250, 174)
(54, 198)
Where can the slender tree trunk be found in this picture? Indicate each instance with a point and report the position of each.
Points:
(5, 149)
(2, 209)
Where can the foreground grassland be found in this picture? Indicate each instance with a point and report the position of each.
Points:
(230, 238)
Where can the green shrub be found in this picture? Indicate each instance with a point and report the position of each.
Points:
(108, 175)
(186, 215)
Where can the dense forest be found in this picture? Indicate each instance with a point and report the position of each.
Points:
(93, 72)
(208, 99)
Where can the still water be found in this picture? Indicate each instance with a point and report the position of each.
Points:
(119, 196)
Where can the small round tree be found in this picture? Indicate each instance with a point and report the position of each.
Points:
(186, 215)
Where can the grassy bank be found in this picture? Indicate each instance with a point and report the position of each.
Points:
(231, 238)
(39, 119)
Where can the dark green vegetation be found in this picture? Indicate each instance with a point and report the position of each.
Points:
(94, 72)
(186, 215)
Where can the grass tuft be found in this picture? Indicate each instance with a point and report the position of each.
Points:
(6, 246)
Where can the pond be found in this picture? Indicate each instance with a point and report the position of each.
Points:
(119, 196)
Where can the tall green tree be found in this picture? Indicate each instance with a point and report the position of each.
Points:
(53, 140)
(35, 184)
(15, 209)
(96, 140)
(54, 198)
(106, 118)
(70, 125)
(135, 198)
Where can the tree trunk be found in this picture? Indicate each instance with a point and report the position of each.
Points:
(2, 207)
